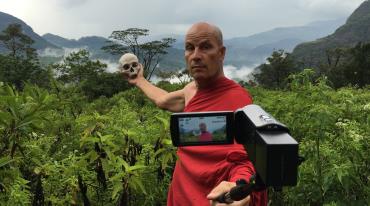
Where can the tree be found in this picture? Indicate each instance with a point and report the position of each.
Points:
(348, 66)
(274, 73)
(89, 75)
(77, 67)
(149, 53)
(357, 69)
(21, 63)
(16, 42)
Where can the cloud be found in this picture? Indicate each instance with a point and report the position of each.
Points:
(235, 73)
(111, 66)
(68, 3)
(329, 8)
(59, 52)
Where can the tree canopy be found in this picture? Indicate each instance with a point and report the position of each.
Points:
(148, 52)
(20, 63)
(275, 72)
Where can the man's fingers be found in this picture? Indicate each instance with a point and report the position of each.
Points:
(243, 202)
(222, 188)
(140, 69)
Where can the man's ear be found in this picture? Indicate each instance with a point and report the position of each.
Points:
(223, 52)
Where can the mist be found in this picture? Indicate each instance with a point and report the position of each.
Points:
(237, 74)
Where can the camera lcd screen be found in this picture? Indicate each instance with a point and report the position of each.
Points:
(201, 128)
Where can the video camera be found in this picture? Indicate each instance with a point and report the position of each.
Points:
(273, 152)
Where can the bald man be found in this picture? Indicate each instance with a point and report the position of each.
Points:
(202, 173)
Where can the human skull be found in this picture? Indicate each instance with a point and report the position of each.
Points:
(129, 64)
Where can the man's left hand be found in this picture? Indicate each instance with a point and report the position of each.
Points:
(222, 188)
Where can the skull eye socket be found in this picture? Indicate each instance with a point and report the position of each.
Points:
(134, 64)
(126, 66)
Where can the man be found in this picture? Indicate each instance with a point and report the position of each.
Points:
(202, 173)
(204, 136)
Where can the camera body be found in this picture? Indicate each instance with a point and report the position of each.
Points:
(273, 152)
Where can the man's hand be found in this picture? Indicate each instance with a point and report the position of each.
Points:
(136, 79)
(221, 189)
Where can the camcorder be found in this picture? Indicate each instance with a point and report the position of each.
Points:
(271, 149)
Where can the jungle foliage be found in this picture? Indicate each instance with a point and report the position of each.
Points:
(57, 148)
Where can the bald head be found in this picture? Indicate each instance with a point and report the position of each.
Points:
(204, 53)
(203, 127)
(207, 28)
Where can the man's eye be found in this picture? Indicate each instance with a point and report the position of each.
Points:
(206, 46)
(189, 47)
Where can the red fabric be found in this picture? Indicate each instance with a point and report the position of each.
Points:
(205, 136)
(201, 168)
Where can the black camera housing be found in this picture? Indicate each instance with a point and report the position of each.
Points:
(273, 152)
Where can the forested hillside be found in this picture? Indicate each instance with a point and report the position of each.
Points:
(40, 43)
(355, 30)
(342, 57)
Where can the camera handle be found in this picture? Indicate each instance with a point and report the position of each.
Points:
(239, 192)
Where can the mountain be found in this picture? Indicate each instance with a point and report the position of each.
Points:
(91, 43)
(242, 51)
(40, 43)
(355, 30)
(60, 41)
(254, 49)
(171, 61)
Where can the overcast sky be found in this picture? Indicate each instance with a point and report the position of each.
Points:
(76, 18)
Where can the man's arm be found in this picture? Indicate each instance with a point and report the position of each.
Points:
(171, 101)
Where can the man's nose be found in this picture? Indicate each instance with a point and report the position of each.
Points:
(196, 55)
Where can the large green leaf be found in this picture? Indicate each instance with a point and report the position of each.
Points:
(5, 160)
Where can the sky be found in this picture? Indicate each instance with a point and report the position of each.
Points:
(76, 18)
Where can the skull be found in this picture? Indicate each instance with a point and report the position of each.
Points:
(129, 64)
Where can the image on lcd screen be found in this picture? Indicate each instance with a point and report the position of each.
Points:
(202, 129)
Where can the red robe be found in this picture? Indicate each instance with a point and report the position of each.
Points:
(205, 136)
(201, 168)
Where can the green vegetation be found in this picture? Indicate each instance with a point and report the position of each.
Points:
(20, 62)
(58, 149)
(343, 67)
(333, 129)
(274, 73)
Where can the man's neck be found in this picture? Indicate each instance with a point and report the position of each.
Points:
(206, 83)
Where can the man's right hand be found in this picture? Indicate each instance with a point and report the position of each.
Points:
(222, 188)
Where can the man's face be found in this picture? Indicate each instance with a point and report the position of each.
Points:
(202, 127)
(204, 55)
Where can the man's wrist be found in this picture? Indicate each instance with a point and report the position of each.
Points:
(140, 82)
